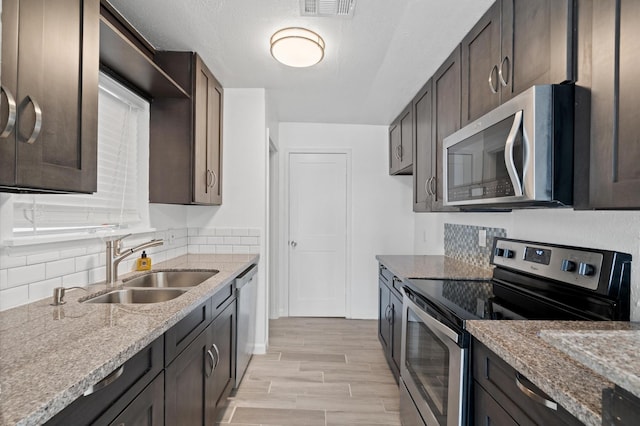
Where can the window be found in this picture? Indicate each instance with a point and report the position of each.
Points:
(121, 199)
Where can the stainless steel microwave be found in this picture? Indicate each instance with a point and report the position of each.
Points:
(518, 155)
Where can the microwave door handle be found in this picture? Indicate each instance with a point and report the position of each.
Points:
(508, 154)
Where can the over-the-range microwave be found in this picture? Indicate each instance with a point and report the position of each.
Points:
(518, 155)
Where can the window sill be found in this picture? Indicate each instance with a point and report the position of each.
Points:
(61, 238)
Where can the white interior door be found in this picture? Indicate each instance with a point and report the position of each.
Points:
(317, 234)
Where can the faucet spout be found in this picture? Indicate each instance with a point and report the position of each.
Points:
(115, 255)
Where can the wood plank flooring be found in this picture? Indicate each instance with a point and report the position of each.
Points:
(318, 371)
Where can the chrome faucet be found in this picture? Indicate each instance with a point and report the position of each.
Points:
(115, 255)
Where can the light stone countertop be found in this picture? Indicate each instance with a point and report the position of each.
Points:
(433, 267)
(49, 355)
(570, 383)
(595, 349)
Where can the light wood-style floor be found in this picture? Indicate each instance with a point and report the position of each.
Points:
(318, 371)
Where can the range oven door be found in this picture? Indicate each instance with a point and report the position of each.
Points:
(433, 368)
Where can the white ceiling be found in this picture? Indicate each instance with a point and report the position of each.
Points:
(374, 62)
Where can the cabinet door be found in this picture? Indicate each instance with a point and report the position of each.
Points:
(223, 331)
(486, 411)
(147, 409)
(57, 95)
(384, 331)
(406, 139)
(207, 101)
(480, 63)
(423, 175)
(446, 119)
(615, 101)
(9, 74)
(396, 331)
(186, 383)
(395, 140)
(537, 44)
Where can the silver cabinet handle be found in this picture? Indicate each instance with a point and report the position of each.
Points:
(209, 175)
(427, 186)
(397, 152)
(215, 348)
(37, 127)
(214, 179)
(432, 185)
(508, 154)
(533, 395)
(494, 89)
(501, 73)
(105, 382)
(386, 313)
(400, 152)
(11, 119)
(293, 244)
(213, 363)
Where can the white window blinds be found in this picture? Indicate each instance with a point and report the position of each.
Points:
(123, 122)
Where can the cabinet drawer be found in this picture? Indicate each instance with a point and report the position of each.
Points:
(108, 401)
(180, 335)
(487, 411)
(500, 380)
(220, 300)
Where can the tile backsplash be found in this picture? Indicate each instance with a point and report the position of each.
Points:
(29, 273)
(462, 242)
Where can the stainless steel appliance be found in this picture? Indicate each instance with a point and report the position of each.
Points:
(530, 281)
(246, 287)
(518, 155)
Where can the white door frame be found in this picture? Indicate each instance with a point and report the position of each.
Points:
(284, 227)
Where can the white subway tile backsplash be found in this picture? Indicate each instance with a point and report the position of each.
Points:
(207, 232)
(42, 289)
(89, 261)
(224, 249)
(43, 257)
(215, 240)
(26, 274)
(223, 231)
(250, 241)
(4, 283)
(74, 252)
(12, 297)
(254, 249)
(240, 232)
(208, 249)
(232, 241)
(192, 232)
(12, 261)
(193, 249)
(97, 275)
(77, 279)
(240, 249)
(197, 240)
(60, 268)
(254, 232)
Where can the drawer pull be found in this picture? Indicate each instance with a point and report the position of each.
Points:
(533, 395)
(105, 382)
(213, 363)
(215, 348)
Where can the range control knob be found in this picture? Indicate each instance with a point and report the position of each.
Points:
(498, 252)
(585, 269)
(568, 265)
(508, 253)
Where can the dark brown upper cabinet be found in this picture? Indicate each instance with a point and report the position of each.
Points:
(400, 143)
(49, 117)
(445, 121)
(185, 160)
(423, 149)
(515, 45)
(609, 39)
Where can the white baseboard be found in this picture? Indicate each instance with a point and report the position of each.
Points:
(259, 349)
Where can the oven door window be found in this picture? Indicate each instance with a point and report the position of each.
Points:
(476, 166)
(427, 361)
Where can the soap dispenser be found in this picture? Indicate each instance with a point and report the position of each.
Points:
(143, 263)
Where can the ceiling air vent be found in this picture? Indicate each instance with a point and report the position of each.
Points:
(341, 8)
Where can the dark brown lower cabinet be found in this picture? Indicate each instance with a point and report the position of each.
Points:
(201, 374)
(390, 319)
(503, 396)
(146, 409)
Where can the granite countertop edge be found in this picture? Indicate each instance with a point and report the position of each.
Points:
(574, 386)
(436, 267)
(166, 314)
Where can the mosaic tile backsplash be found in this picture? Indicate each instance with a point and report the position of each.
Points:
(461, 242)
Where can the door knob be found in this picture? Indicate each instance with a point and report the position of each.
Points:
(293, 244)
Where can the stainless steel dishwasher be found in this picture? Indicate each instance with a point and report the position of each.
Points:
(247, 291)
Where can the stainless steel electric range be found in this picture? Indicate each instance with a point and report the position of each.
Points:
(531, 280)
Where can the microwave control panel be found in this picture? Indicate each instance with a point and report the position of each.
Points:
(495, 189)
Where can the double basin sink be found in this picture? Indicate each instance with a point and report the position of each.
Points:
(154, 287)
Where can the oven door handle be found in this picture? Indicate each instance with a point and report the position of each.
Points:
(430, 321)
(508, 154)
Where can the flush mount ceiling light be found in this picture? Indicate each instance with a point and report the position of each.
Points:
(297, 47)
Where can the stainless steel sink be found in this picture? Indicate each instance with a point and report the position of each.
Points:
(138, 295)
(169, 279)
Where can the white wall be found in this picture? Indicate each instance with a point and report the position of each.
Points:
(244, 183)
(381, 205)
(611, 230)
